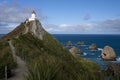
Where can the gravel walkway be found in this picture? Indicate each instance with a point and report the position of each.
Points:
(21, 71)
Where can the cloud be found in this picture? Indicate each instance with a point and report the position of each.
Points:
(87, 17)
(7, 27)
(106, 27)
(12, 14)
(3, 24)
(15, 13)
(69, 29)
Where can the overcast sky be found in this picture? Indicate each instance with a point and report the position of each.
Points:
(63, 16)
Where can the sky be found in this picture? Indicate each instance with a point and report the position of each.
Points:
(63, 16)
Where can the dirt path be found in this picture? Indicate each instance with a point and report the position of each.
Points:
(21, 70)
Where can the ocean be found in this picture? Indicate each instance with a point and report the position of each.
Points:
(99, 40)
(1, 35)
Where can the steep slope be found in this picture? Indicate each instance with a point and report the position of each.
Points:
(6, 59)
(21, 69)
(34, 27)
(46, 58)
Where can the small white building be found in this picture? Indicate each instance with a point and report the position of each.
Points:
(32, 17)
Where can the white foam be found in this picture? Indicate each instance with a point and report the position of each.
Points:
(118, 59)
(99, 56)
(100, 49)
(84, 54)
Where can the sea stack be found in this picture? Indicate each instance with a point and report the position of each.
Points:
(69, 43)
(74, 50)
(93, 47)
(108, 53)
(80, 43)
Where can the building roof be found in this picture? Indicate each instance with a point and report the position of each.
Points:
(33, 12)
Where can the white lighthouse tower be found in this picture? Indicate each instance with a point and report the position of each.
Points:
(32, 17)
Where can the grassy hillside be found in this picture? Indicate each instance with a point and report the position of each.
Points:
(16, 32)
(48, 56)
(47, 59)
(6, 59)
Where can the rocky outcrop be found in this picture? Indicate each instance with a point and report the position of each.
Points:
(108, 53)
(37, 30)
(113, 69)
(69, 43)
(93, 47)
(74, 50)
(33, 27)
(80, 43)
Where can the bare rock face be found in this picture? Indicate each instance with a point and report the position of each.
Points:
(35, 28)
(69, 43)
(108, 53)
(74, 50)
(38, 30)
(93, 47)
(80, 43)
(113, 69)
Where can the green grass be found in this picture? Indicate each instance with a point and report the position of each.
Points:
(6, 59)
(50, 57)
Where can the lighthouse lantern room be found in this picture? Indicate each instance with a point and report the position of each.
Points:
(32, 17)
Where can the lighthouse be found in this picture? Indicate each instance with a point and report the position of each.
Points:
(32, 17)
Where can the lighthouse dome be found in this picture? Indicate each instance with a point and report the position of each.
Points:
(33, 16)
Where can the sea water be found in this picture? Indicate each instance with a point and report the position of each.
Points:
(1, 35)
(99, 40)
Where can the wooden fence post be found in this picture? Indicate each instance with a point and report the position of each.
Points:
(5, 72)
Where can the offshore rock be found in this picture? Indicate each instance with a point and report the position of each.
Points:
(108, 53)
(80, 43)
(69, 43)
(93, 47)
(74, 50)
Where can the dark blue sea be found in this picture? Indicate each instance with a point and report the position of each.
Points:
(99, 40)
(1, 35)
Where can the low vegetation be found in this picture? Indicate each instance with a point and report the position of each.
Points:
(6, 59)
(49, 60)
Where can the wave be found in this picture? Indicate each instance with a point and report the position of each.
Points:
(100, 49)
(99, 56)
(118, 59)
(84, 54)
